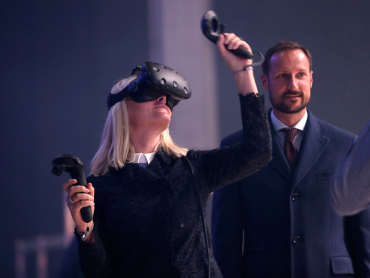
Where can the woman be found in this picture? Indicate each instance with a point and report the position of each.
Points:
(146, 220)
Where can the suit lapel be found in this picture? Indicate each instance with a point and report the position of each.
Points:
(278, 162)
(313, 144)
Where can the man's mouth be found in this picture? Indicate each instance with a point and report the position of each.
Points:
(292, 95)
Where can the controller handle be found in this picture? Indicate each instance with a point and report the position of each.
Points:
(212, 29)
(72, 164)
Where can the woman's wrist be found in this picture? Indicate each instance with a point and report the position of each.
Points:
(84, 234)
(245, 82)
(247, 67)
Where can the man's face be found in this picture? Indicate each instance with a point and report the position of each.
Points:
(289, 81)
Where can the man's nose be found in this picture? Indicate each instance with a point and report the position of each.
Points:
(293, 84)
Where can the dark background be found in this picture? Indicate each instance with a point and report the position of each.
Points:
(337, 33)
(58, 61)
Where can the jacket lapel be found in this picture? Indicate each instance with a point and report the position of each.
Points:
(152, 172)
(159, 163)
(313, 144)
(134, 172)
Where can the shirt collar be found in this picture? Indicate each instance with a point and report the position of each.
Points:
(142, 157)
(279, 125)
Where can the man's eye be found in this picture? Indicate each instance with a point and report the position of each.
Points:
(281, 75)
(301, 74)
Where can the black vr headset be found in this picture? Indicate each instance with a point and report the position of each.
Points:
(154, 80)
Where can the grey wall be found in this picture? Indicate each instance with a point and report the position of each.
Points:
(58, 61)
(176, 41)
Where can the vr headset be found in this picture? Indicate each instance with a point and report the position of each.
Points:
(154, 80)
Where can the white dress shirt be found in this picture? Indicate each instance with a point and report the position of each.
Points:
(279, 126)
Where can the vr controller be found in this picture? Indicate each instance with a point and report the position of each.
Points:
(212, 28)
(154, 80)
(72, 165)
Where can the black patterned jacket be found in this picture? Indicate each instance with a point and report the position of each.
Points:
(147, 222)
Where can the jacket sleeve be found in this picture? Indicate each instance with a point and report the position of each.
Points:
(227, 165)
(350, 186)
(93, 257)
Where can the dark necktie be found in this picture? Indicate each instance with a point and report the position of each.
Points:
(290, 151)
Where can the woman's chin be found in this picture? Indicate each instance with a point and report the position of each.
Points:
(164, 117)
(162, 122)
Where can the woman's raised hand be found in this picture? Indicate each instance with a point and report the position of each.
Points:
(231, 41)
(244, 79)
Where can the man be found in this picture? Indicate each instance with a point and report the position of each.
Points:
(279, 222)
(350, 186)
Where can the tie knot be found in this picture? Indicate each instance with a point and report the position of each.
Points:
(290, 133)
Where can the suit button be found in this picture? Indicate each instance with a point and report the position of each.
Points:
(294, 196)
(182, 225)
(296, 239)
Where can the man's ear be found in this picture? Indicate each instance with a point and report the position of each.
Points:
(265, 82)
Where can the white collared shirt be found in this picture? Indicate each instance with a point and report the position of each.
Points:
(278, 126)
(142, 158)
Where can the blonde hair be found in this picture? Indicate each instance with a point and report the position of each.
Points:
(115, 145)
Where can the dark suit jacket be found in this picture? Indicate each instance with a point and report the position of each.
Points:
(290, 228)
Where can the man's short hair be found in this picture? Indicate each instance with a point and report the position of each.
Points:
(280, 46)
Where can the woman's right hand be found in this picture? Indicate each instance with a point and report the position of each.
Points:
(244, 79)
(79, 196)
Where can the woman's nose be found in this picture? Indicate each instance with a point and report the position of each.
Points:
(162, 99)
